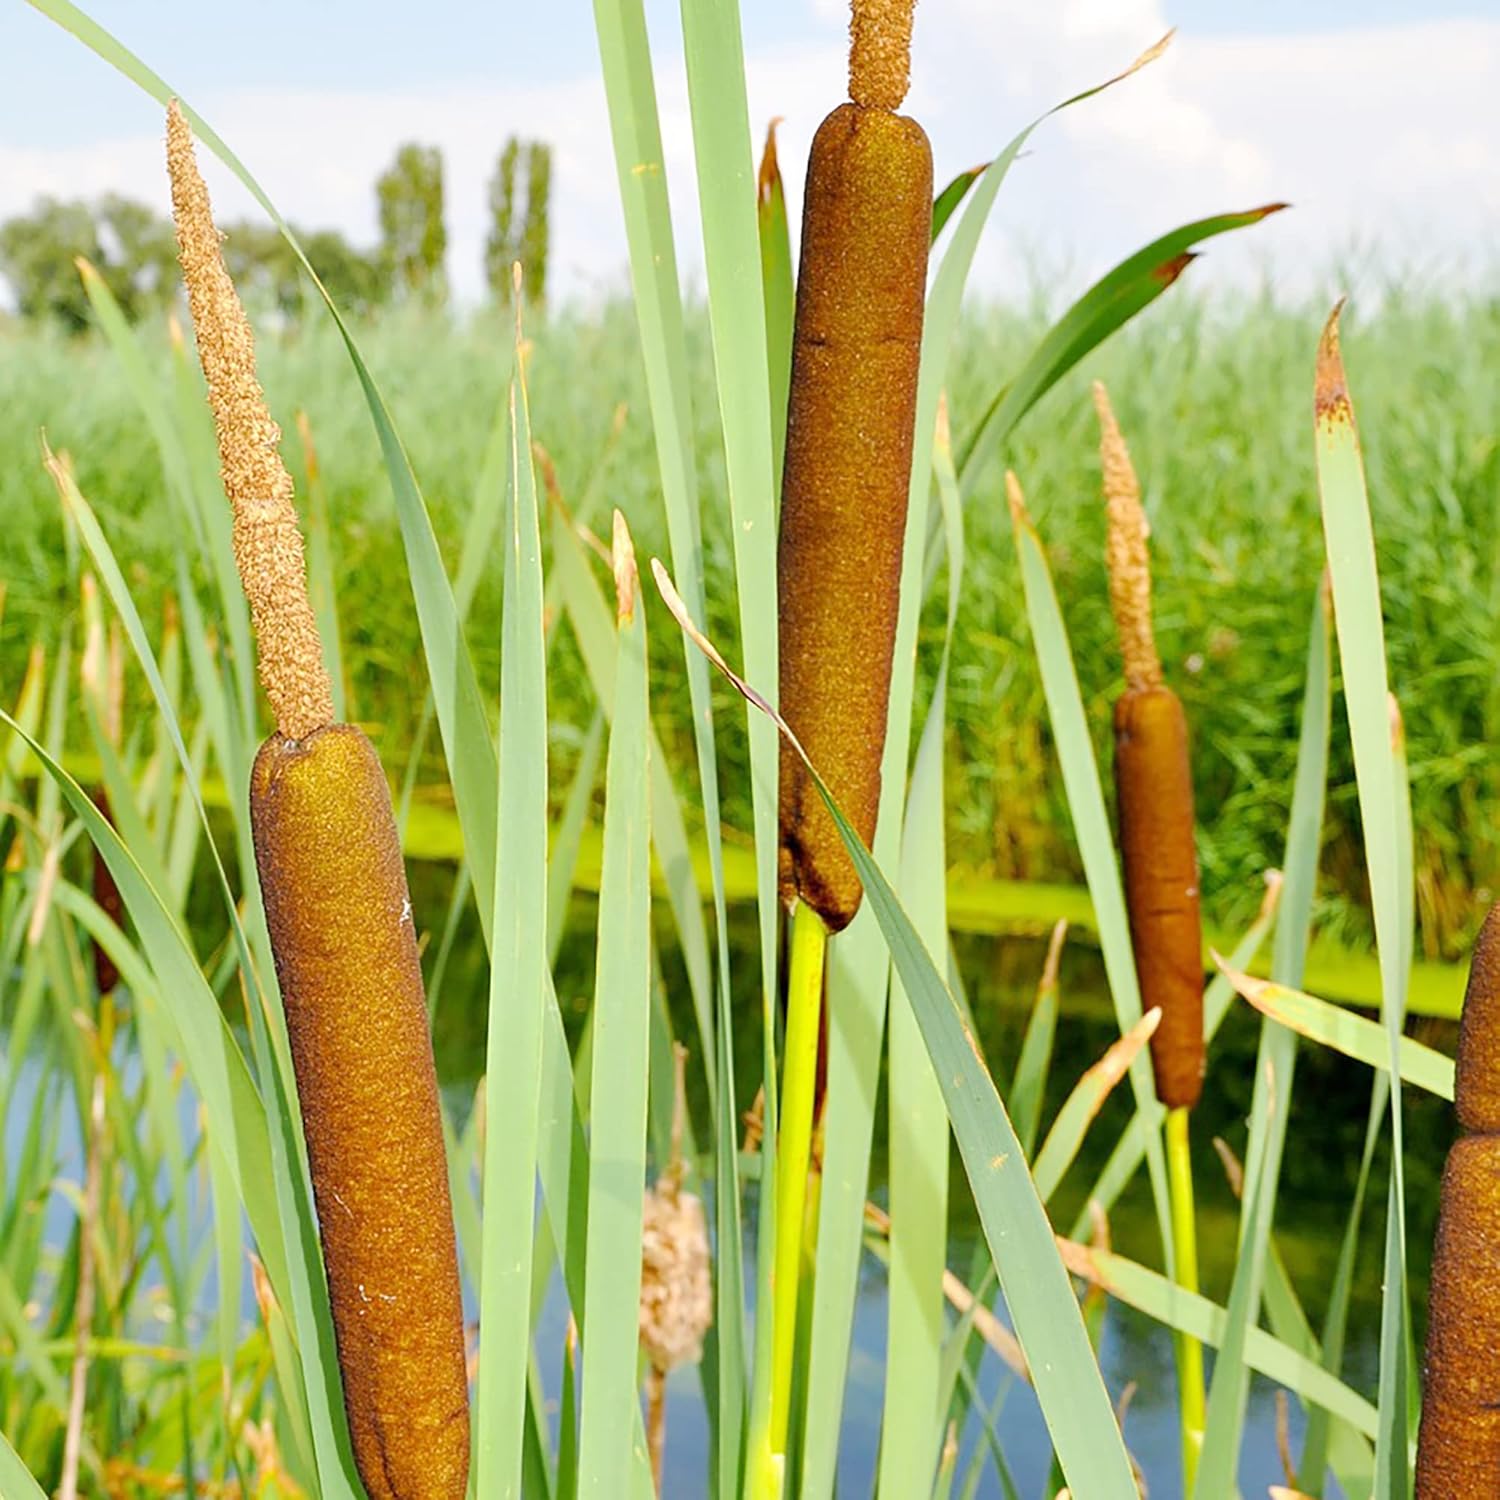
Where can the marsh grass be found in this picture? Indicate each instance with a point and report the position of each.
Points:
(1217, 426)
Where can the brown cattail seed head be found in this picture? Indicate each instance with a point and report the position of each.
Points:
(267, 543)
(880, 52)
(1458, 1447)
(1477, 1083)
(1153, 779)
(867, 218)
(340, 920)
(1126, 553)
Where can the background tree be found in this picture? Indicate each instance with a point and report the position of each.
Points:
(535, 233)
(140, 250)
(527, 241)
(268, 274)
(357, 281)
(37, 255)
(413, 240)
(129, 244)
(134, 249)
(263, 267)
(501, 245)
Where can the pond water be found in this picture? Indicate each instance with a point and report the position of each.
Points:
(1325, 1136)
(1326, 1128)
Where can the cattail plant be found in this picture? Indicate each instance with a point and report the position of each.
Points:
(1458, 1445)
(856, 346)
(329, 860)
(1154, 789)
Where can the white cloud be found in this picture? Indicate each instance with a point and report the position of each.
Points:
(1385, 133)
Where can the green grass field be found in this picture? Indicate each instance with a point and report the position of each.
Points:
(1215, 406)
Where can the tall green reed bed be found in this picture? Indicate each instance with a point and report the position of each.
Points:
(127, 1366)
(1227, 376)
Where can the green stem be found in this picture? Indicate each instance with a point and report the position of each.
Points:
(1185, 1243)
(793, 1153)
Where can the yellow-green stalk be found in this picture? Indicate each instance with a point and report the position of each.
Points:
(1154, 788)
(339, 916)
(1458, 1445)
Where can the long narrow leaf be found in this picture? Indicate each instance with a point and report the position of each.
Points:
(518, 966)
(1275, 1062)
(1107, 305)
(621, 1020)
(1350, 541)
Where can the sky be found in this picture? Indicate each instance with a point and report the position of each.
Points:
(1379, 120)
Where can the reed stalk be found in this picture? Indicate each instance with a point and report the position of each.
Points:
(794, 1154)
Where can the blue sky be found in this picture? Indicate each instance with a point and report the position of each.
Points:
(1251, 103)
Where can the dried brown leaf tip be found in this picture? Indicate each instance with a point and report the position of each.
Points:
(267, 543)
(942, 434)
(1014, 498)
(627, 580)
(1126, 552)
(1398, 723)
(1169, 270)
(1054, 955)
(1271, 898)
(769, 178)
(1330, 384)
(309, 448)
(1155, 50)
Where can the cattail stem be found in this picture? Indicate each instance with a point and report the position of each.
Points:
(793, 1155)
(656, 1421)
(1185, 1247)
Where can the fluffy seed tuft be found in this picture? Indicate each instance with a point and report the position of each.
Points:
(267, 542)
(1126, 552)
